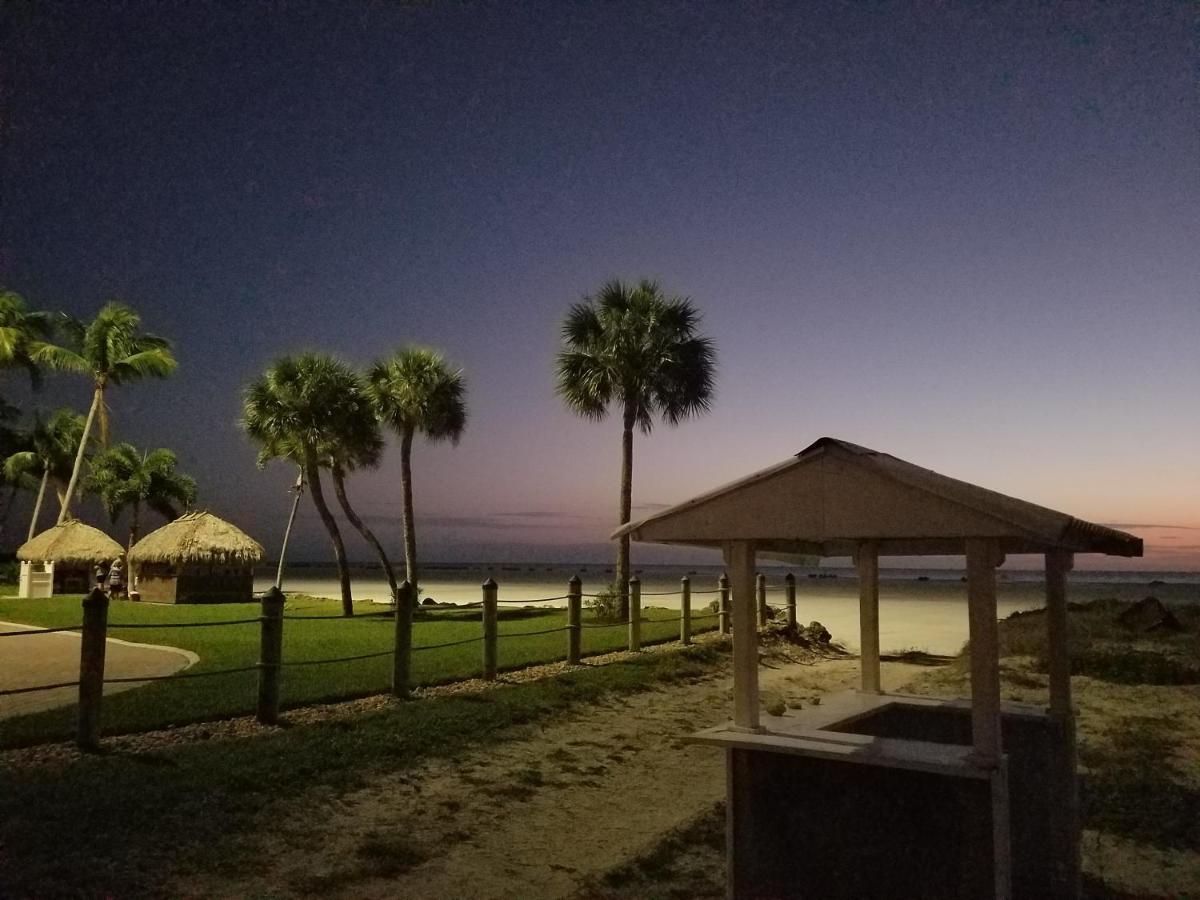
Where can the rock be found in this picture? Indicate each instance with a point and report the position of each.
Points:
(1149, 614)
(817, 633)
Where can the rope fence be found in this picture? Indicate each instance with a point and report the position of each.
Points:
(95, 627)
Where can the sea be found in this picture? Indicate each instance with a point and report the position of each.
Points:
(919, 609)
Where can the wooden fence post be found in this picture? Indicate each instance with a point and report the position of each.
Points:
(635, 613)
(723, 609)
(574, 619)
(406, 601)
(790, 584)
(91, 668)
(270, 656)
(764, 611)
(490, 590)
(685, 610)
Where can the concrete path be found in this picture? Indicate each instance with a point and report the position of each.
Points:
(52, 658)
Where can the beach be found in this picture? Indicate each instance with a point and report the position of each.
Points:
(929, 614)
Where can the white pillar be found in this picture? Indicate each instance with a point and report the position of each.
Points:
(983, 555)
(739, 560)
(867, 561)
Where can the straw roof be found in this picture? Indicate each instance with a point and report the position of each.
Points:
(70, 542)
(197, 537)
(834, 494)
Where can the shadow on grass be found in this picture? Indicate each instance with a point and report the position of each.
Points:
(1133, 788)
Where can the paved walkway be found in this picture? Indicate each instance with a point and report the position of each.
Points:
(51, 658)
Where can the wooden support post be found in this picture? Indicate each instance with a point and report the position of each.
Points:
(739, 558)
(867, 563)
(685, 610)
(574, 620)
(490, 591)
(91, 668)
(406, 603)
(764, 612)
(1066, 808)
(635, 613)
(983, 555)
(270, 655)
(790, 585)
(723, 604)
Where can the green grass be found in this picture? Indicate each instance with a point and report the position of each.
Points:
(230, 646)
(119, 824)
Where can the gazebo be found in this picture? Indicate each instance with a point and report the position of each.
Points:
(882, 794)
(198, 558)
(60, 560)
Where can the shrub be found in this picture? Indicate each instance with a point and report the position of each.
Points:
(606, 605)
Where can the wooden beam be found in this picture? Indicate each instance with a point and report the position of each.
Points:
(1058, 564)
(983, 555)
(867, 562)
(739, 560)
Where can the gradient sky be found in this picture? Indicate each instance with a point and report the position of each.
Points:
(966, 234)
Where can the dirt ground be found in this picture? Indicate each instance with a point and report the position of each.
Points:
(534, 817)
(53, 658)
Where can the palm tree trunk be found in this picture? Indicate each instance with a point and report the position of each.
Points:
(287, 532)
(626, 510)
(37, 505)
(339, 488)
(339, 550)
(410, 527)
(65, 510)
(134, 528)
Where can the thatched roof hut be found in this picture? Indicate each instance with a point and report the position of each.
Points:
(197, 537)
(72, 543)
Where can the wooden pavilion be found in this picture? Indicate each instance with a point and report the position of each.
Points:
(890, 795)
(198, 558)
(61, 559)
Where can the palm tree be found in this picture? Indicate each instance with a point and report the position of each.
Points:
(417, 391)
(295, 411)
(111, 350)
(125, 478)
(49, 459)
(635, 348)
(21, 333)
(357, 444)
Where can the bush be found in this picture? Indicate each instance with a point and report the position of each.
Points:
(606, 605)
(714, 606)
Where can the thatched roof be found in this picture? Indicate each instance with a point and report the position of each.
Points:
(197, 537)
(70, 542)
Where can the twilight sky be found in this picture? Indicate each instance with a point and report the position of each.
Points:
(965, 234)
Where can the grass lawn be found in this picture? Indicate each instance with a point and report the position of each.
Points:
(122, 825)
(179, 701)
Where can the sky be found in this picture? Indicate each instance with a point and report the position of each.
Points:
(964, 234)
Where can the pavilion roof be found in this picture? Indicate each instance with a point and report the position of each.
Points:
(833, 495)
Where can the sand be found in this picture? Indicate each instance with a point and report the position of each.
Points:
(532, 817)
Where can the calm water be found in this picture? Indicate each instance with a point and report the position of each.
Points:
(914, 613)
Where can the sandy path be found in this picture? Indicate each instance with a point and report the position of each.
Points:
(529, 817)
(52, 658)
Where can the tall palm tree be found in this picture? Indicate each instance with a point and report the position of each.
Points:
(417, 391)
(297, 410)
(632, 347)
(125, 478)
(50, 458)
(111, 350)
(21, 333)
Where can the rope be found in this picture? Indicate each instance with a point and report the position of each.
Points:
(538, 600)
(40, 631)
(709, 616)
(375, 615)
(612, 625)
(447, 644)
(132, 679)
(41, 687)
(340, 659)
(532, 633)
(183, 624)
(713, 591)
(658, 593)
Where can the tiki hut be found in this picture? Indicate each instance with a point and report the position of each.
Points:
(198, 558)
(60, 560)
